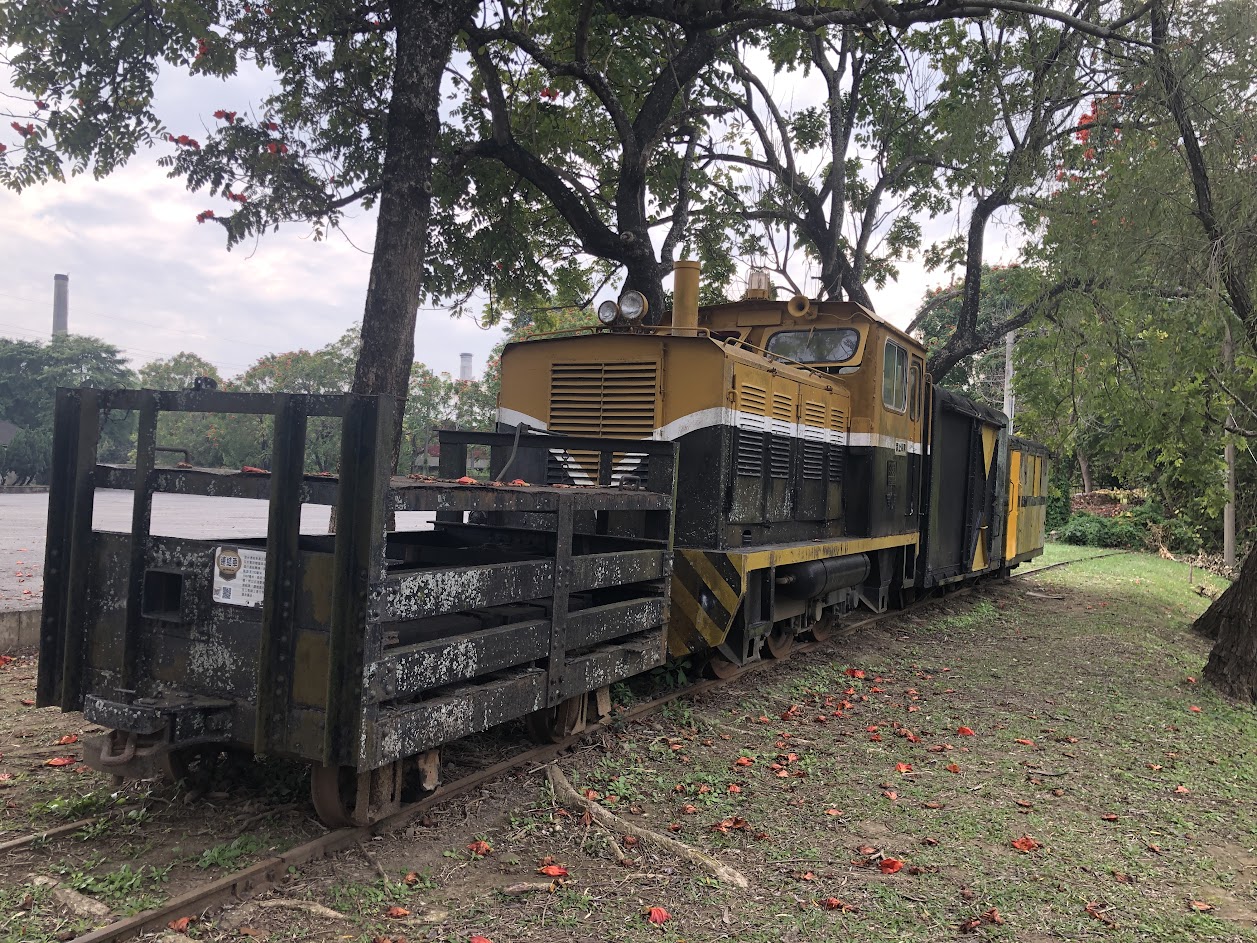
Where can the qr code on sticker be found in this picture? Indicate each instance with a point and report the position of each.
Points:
(226, 592)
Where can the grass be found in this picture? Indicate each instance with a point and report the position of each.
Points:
(1080, 698)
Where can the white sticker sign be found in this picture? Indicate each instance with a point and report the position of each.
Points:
(239, 576)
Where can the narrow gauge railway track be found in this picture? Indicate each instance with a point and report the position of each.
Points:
(271, 871)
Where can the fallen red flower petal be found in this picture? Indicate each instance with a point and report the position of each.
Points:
(1200, 906)
(965, 731)
(480, 848)
(1025, 843)
(952, 768)
(60, 761)
(890, 865)
(397, 912)
(553, 870)
(657, 915)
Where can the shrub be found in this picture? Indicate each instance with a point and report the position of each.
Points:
(1141, 528)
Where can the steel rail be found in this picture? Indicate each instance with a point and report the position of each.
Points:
(271, 871)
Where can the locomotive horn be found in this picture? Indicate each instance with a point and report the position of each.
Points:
(801, 307)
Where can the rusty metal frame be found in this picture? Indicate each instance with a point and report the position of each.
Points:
(577, 602)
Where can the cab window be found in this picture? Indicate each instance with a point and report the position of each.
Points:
(895, 377)
(819, 345)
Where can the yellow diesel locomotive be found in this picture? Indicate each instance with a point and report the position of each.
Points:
(819, 468)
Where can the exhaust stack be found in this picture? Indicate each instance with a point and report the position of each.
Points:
(685, 297)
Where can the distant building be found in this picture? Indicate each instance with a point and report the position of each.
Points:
(7, 432)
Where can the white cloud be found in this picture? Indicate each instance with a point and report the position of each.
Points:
(146, 277)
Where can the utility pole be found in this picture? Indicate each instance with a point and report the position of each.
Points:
(1009, 402)
(1228, 512)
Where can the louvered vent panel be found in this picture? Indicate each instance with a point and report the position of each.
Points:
(815, 434)
(752, 423)
(837, 442)
(615, 400)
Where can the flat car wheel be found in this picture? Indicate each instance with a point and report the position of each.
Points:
(345, 798)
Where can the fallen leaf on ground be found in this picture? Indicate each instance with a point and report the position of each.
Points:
(479, 939)
(891, 795)
(1182, 790)
(1095, 910)
(952, 768)
(972, 925)
(657, 915)
(965, 731)
(1194, 709)
(480, 848)
(1026, 843)
(833, 903)
(1024, 804)
(903, 767)
(734, 788)
(1200, 906)
(994, 916)
(68, 739)
(1024, 742)
(1123, 878)
(890, 865)
(397, 912)
(60, 761)
(807, 876)
(553, 870)
(1110, 817)
(833, 811)
(743, 761)
(27, 702)
(180, 924)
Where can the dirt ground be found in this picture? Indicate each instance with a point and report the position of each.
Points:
(1031, 761)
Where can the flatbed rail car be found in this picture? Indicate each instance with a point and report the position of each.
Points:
(363, 651)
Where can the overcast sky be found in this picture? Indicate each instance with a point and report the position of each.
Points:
(145, 276)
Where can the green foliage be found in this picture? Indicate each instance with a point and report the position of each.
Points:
(1141, 528)
(31, 372)
(1005, 289)
(227, 855)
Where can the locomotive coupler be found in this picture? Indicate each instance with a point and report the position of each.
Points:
(140, 732)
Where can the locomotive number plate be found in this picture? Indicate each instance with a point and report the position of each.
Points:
(239, 576)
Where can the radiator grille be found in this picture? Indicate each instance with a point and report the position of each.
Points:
(604, 399)
(615, 400)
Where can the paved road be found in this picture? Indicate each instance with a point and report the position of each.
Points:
(23, 524)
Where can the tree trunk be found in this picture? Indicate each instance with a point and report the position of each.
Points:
(425, 38)
(1232, 621)
(1085, 467)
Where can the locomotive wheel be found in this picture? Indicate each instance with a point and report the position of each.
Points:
(345, 798)
(823, 629)
(556, 724)
(780, 640)
(722, 667)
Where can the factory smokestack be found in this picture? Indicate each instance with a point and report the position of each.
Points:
(464, 370)
(60, 304)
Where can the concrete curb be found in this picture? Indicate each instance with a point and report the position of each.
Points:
(19, 629)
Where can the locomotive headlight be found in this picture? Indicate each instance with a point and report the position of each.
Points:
(608, 311)
(633, 305)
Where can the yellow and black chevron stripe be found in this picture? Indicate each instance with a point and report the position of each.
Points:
(707, 589)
